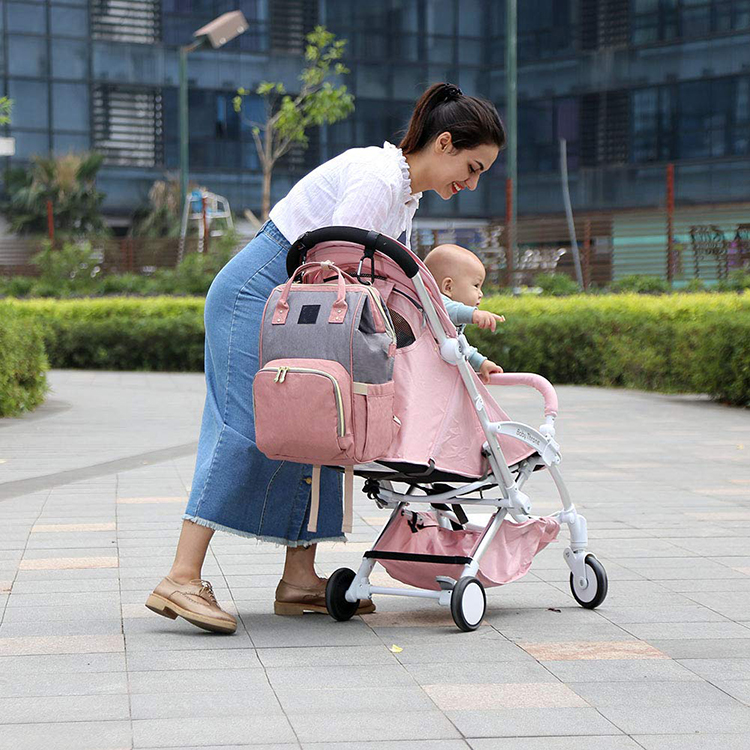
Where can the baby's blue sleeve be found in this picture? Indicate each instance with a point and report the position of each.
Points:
(476, 358)
(459, 313)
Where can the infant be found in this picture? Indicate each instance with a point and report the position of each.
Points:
(459, 275)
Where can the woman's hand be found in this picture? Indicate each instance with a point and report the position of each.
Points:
(486, 319)
(486, 369)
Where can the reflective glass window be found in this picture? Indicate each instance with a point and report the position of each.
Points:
(70, 106)
(30, 108)
(62, 143)
(70, 21)
(30, 144)
(27, 56)
(441, 16)
(27, 18)
(69, 58)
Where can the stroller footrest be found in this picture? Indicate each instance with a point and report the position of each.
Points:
(374, 554)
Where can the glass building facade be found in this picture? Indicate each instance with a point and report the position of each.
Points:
(631, 85)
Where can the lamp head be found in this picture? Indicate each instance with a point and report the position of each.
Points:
(223, 29)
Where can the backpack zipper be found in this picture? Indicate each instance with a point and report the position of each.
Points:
(281, 377)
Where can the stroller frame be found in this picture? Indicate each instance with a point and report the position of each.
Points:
(465, 595)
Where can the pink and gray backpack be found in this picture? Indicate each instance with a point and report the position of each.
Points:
(324, 394)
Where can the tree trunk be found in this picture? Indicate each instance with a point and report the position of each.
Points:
(265, 206)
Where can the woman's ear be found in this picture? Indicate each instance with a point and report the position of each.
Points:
(444, 143)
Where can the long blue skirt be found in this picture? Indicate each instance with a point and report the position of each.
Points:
(235, 487)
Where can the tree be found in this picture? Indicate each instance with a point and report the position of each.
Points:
(319, 102)
(162, 216)
(68, 182)
(6, 107)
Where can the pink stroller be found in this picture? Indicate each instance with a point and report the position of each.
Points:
(454, 445)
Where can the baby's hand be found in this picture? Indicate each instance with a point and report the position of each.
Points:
(486, 319)
(486, 369)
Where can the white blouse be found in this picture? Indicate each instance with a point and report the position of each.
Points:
(369, 188)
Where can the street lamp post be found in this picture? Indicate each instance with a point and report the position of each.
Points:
(215, 34)
(511, 126)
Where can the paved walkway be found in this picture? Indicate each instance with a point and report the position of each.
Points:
(92, 486)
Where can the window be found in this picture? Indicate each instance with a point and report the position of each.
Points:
(126, 20)
(545, 29)
(128, 125)
(541, 125)
(663, 20)
(653, 125)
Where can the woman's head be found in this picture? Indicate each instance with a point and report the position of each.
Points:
(451, 140)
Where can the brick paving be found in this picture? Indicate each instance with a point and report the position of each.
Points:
(91, 492)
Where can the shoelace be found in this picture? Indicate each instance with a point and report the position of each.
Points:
(206, 588)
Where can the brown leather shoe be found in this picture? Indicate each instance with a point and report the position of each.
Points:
(296, 600)
(194, 601)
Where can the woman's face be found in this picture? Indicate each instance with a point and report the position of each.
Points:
(451, 170)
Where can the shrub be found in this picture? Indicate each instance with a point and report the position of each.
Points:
(23, 383)
(640, 285)
(678, 343)
(556, 284)
(736, 281)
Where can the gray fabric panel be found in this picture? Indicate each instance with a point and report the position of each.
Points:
(324, 340)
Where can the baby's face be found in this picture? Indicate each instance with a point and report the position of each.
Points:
(467, 283)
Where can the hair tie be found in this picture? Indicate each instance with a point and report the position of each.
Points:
(452, 92)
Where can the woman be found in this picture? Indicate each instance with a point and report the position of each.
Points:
(451, 140)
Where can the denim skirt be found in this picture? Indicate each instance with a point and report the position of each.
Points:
(235, 487)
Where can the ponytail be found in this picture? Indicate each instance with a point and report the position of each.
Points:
(471, 121)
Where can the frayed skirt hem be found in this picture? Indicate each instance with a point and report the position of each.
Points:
(279, 541)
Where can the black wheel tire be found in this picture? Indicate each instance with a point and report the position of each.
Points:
(596, 576)
(336, 604)
(468, 604)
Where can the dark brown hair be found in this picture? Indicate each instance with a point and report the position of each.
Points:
(471, 121)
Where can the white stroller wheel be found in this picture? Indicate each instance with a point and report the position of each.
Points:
(596, 584)
(468, 603)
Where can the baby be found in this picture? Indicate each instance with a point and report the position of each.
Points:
(460, 275)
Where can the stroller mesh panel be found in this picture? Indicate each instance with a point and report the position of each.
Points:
(404, 334)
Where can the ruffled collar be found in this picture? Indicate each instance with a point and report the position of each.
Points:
(411, 199)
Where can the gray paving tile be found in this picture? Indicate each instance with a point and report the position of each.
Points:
(201, 731)
(532, 722)
(718, 669)
(74, 735)
(339, 677)
(326, 656)
(62, 684)
(612, 670)
(651, 694)
(556, 743)
(389, 745)
(423, 725)
(734, 648)
(27, 709)
(53, 663)
(329, 700)
(234, 702)
(192, 659)
(694, 742)
(461, 673)
(197, 681)
(677, 720)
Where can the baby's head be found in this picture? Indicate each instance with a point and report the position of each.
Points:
(458, 272)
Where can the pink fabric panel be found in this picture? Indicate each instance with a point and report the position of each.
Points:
(438, 420)
(508, 557)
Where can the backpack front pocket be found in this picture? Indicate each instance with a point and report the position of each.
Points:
(375, 426)
(303, 410)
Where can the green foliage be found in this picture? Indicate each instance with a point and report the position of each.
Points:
(72, 267)
(319, 102)
(6, 107)
(556, 284)
(120, 333)
(640, 284)
(676, 343)
(737, 281)
(161, 217)
(23, 383)
(68, 182)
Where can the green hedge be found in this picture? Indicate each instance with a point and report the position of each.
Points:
(680, 343)
(677, 343)
(23, 383)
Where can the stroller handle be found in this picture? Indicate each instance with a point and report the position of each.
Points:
(372, 241)
(534, 381)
